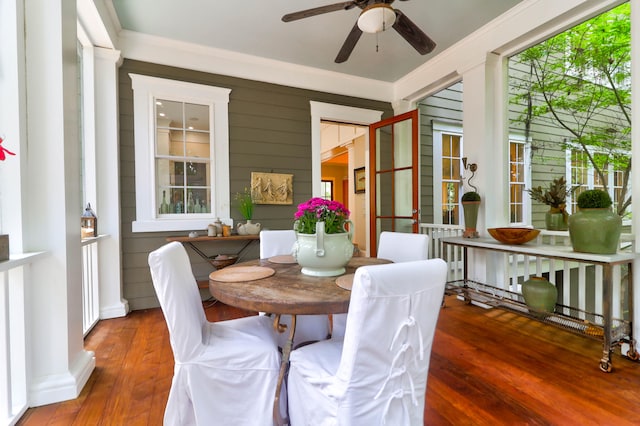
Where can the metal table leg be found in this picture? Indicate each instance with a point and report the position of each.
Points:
(607, 301)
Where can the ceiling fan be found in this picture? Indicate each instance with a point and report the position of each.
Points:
(376, 16)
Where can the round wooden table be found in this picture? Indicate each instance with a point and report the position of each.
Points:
(286, 291)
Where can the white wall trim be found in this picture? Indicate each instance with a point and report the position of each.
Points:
(438, 128)
(158, 50)
(62, 387)
(325, 111)
(145, 90)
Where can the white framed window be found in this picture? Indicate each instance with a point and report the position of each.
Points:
(181, 135)
(327, 189)
(582, 174)
(519, 179)
(447, 164)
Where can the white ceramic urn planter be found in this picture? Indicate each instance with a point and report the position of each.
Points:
(321, 254)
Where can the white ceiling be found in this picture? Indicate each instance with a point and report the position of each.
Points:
(255, 27)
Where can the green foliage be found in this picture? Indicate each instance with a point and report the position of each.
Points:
(244, 204)
(555, 195)
(333, 213)
(471, 196)
(579, 80)
(594, 199)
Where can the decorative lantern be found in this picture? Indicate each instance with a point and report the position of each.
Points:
(88, 223)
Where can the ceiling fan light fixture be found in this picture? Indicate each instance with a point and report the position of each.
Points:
(376, 18)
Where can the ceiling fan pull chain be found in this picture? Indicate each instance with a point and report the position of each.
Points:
(376, 42)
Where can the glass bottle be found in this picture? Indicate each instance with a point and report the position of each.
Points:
(164, 207)
(191, 205)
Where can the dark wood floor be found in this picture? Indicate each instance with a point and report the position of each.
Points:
(488, 367)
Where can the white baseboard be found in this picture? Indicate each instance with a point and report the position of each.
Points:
(62, 387)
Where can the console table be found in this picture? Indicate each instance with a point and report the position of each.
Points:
(612, 331)
(191, 242)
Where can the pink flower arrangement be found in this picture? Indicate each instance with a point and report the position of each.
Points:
(4, 150)
(334, 215)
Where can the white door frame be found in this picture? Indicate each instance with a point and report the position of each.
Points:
(339, 113)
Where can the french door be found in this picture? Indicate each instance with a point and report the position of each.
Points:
(393, 176)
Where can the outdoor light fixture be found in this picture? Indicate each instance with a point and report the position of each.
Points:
(376, 18)
(88, 223)
(471, 167)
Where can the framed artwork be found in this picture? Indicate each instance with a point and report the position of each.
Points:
(271, 188)
(359, 180)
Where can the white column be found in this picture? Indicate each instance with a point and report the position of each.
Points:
(59, 364)
(484, 146)
(106, 63)
(12, 122)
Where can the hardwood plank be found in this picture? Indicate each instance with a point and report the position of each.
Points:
(488, 367)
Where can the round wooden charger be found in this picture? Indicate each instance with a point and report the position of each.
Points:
(345, 281)
(234, 274)
(284, 258)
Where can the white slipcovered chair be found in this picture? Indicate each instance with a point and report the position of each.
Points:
(309, 328)
(225, 372)
(403, 247)
(396, 247)
(377, 374)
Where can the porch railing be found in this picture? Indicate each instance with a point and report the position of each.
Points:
(90, 284)
(14, 276)
(436, 250)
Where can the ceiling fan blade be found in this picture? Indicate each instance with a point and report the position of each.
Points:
(414, 35)
(318, 11)
(349, 44)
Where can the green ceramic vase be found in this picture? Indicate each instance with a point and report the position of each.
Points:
(470, 209)
(540, 295)
(595, 231)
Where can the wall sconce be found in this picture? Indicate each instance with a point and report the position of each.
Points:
(472, 168)
(88, 223)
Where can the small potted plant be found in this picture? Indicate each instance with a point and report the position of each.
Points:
(595, 228)
(244, 204)
(554, 196)
(470, 205)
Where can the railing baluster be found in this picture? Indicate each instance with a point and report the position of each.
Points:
(14, 336)
(566, 287)
(598, 290)
(90, 292)
(582, 291)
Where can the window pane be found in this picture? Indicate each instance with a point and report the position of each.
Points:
(197, 117)
(169, 113)
(450, 197)
(402, 151)
(383, 141)
(446, 169)
(327, 189)
(516, 181)
(384, 185)
(177, 147)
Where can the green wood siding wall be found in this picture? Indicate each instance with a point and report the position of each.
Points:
(269, 131)
(444, 106)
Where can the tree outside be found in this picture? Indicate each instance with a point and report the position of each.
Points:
(579, 81)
